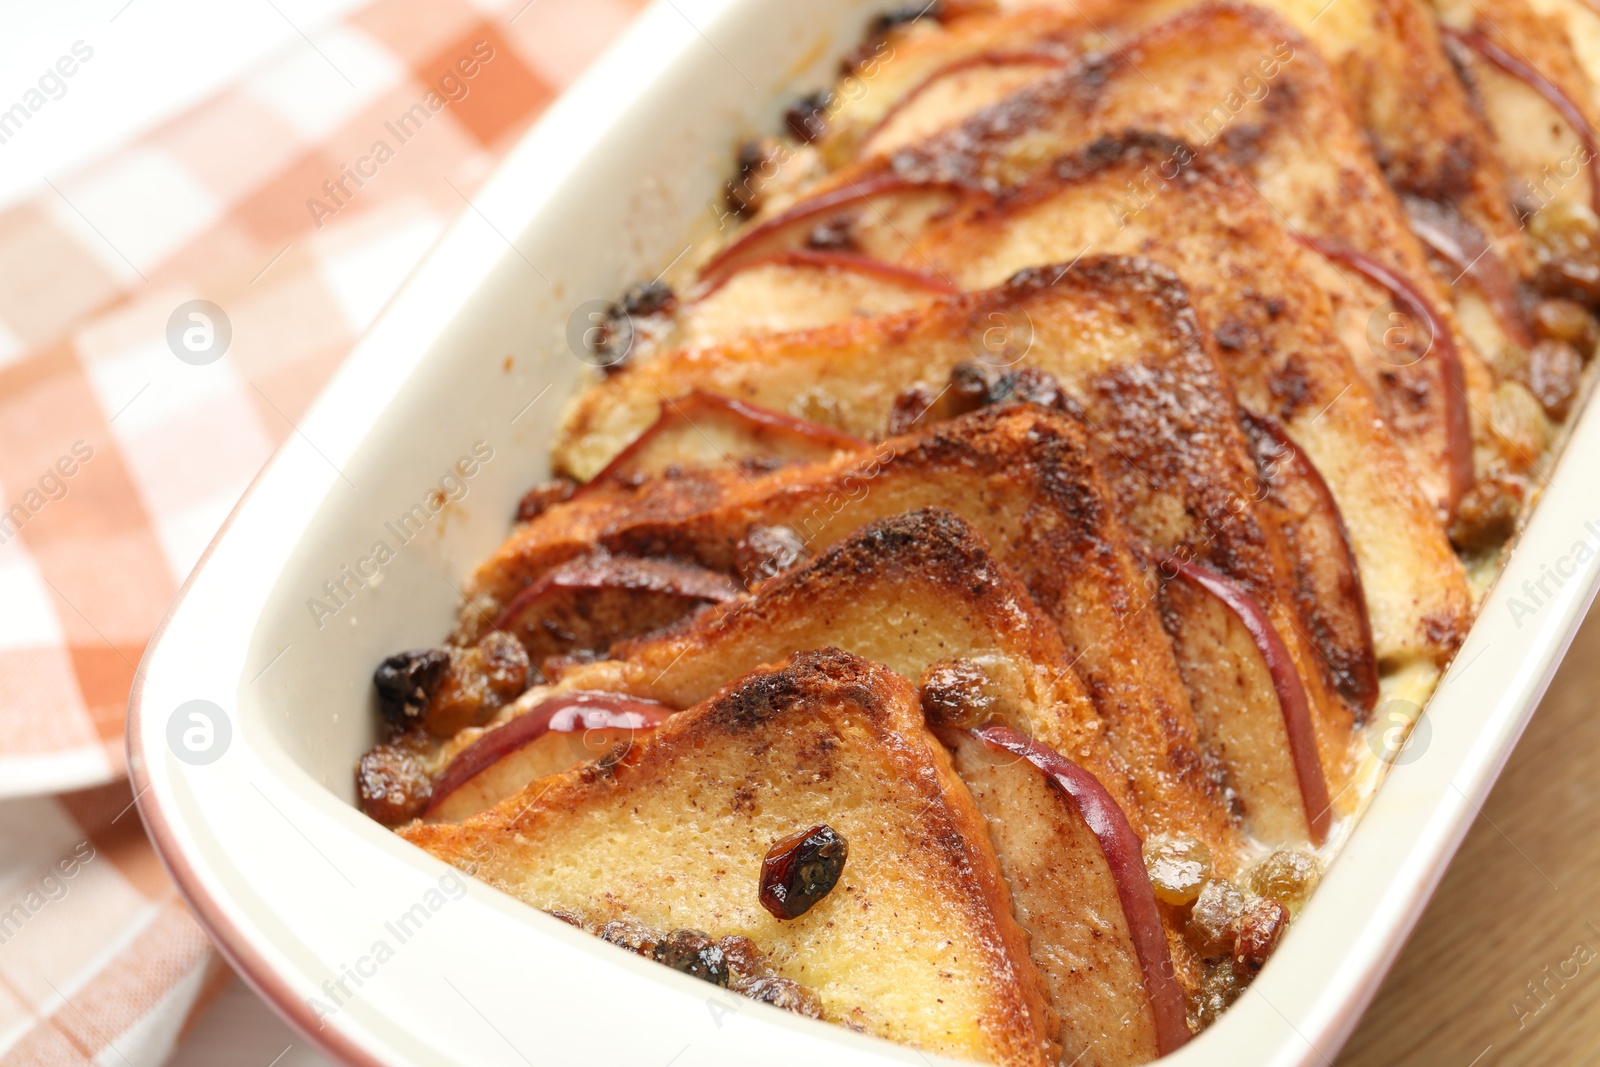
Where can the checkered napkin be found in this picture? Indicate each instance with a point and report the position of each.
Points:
(292, 204)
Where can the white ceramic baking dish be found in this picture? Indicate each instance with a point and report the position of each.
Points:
(375, 951)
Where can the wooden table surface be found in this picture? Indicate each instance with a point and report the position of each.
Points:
(1505, 966)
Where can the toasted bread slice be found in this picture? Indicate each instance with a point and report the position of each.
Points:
(1024, 479)
(1273, 330)
(912, 592)
(1274, 339)
(1184, 490)
(1295, 141)
(919, 594)
(1548, 158)
(916, 942)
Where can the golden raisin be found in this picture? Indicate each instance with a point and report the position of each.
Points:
(1211, 930)
(1179, 868)
(1558, 319)
(1554, 368)
(1286, 876)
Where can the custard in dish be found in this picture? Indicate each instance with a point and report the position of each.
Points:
(988, 577)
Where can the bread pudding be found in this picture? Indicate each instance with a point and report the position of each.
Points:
(973, 589)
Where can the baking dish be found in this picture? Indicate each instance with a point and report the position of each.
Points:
(379, 954)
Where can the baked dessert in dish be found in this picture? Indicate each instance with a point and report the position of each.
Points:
(976, 597)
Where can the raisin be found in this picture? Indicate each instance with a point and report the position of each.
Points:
(1286, 876)
(392, 786)
(969, 385)
(955, 693)
(834, 235)
(1566, 320)
(801, 869)
(1487, 515)
(1211, 921)
(766, 551)
(910, 406)
(807, 117)
(743, 194)
(694, 954)
(1179, 868)
(542, 497)
(650, 298)
(1030, 385)
(783, 993)
(1554, 368)
(1219, 988)
(613, 341)
(406, 682)
(1260, 928)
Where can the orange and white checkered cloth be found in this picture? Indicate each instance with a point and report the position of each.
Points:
(118, 461)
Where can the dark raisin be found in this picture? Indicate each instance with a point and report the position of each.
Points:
(624, 934)
(695, 954)
(801, 869)
(969, 385)
(766, 551)
(406, 682)
(1260, 928)
(1554, 369)
(650, 298)
(783, 993)
(541, 498)
(1487, 515)
(807, 117)
(613, 341)
(743, 192)
(834, 235)
(1028, 384)
(909, 407)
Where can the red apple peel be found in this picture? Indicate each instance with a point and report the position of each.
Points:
(567, 713)
(1124, 854)
(1285, 680)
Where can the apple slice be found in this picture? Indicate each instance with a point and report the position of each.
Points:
(553, 736)
(1555, 95)
(1123, 853)
(704, 431)
(999, 74)
(819, 259)
(1470, 254)
(587, 604)
(1291, 694)
(777, 234)
(1327, 578)
(1411, 299)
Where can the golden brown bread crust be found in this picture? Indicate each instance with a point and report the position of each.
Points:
(1298, 146)
(907, 592)
(916, 942)
(1273, 329)
(1025, 480)
(1165, 426)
